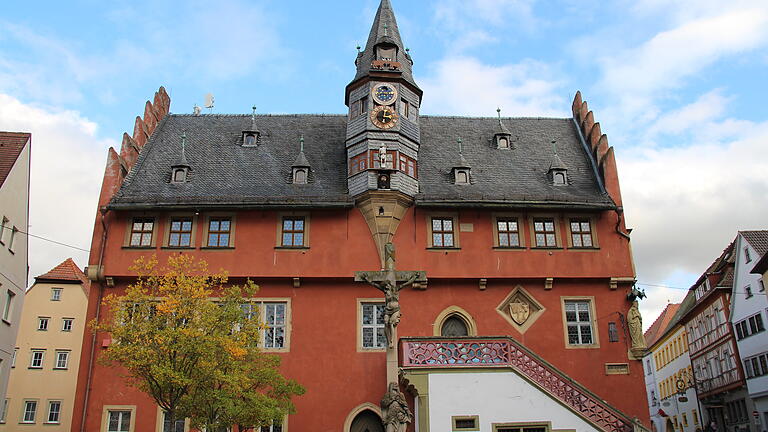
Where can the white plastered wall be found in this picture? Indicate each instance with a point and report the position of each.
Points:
(495, 397)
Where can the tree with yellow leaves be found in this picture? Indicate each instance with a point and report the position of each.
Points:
(180, 335)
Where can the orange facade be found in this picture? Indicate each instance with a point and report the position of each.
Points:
(324, 354)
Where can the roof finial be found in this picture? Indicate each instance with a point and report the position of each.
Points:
(554, 146)
(498, 111)
(301, 143)
(183, 144)
(358, 49)
(385, 29)
(458, 141)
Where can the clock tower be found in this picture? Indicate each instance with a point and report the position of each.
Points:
(382, 138)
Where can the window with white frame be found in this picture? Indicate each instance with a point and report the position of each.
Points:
(13, 358)
(62, 359)
(747, 257)
(172, 426)
(4, 229)
(118, 421)
(372, 325)
(4, 411)
(749, 326)
(579, 321)
(273, 316)
(756, 366)
(66, 324)
(30, 410)
(55, 294)
(36, 361)
(42, 323)
(276, 426)
(54, 412)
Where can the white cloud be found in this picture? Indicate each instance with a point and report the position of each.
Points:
(465, 24)
(638, 76)
(686, 203)
(709, 107)
(67, 166)
(466, 86)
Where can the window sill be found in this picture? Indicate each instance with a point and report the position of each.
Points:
(58, 368)
(11, 251)
(6, 321)
(546, 248)
(217, 247)
(295, 248)
(140, 247)
(178, 248)
(436, 248)
(584, 249)
(585, 346)
(35, 367)
(509, 248)
(371, 350)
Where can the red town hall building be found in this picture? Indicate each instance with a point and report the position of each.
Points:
(522, 321)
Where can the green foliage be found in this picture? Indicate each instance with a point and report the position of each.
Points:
(181, 336)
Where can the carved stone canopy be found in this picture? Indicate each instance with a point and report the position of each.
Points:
(520, 309)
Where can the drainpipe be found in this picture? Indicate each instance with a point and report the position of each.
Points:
(103, 211)
(619, 212)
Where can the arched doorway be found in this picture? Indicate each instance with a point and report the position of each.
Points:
(670, 426)
(366, 421)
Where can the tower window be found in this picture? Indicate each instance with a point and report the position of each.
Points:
(405, 108)
(387, 53)
(363, 105)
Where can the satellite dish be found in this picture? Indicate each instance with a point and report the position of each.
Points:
(209, 100)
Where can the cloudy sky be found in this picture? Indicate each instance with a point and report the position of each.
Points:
(679, 86)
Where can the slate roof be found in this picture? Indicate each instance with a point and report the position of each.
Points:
(67, 271)
(508, 177)
(384, 16)
(11, 146)
(659, 327)
(223, 173)
(758, 240)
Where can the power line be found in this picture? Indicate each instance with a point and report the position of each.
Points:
(688, 289)
(46, 239)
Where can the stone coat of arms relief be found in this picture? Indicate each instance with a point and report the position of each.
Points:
(520, 309)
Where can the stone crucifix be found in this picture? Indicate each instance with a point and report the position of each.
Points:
(395, 412)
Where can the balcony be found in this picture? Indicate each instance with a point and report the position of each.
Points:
(504, 352)
(708, 339)
(714, 384)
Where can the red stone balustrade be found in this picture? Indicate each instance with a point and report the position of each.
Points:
(482, 352)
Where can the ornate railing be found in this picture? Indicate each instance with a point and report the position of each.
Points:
(421, 353)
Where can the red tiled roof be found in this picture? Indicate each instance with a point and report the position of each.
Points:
(656, 330)
(64, 272)
(11, 145)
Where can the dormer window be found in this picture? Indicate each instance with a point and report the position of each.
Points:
(502, 141)
(461, 176)
(179, 175)
(250, 139)
(299, 176)
(559, 177)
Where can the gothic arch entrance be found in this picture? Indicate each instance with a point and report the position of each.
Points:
(366, 421)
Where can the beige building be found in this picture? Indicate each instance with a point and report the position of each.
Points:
(43, 379)
(14, 218)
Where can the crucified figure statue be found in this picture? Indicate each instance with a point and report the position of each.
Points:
(391, 290)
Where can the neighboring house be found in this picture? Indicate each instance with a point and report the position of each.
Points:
(14, 216)
(672, 398)
(524, 321)
(749, 305)
(720, 383)
(41, 391)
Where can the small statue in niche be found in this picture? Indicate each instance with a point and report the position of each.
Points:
(635, 324)
(394, 409)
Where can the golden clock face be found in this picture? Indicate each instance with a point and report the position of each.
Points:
(384, 117)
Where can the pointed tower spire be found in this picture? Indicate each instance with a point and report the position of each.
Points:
(385, 52)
